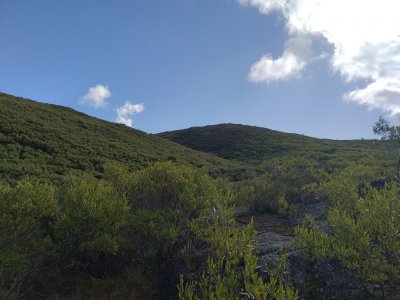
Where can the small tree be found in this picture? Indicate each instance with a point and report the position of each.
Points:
(387, 131)
(392, 134)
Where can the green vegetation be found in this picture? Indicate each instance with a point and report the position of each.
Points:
(58, 241)
(387, 131)
(95, 210)
(45, 230)
(129, 222)
(231, 269)
(365, 237)
(49, 142)
(286, 184)
(255, 145)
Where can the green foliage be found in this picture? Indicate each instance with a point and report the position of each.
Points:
(257, 146)
(166, 186)
(387, 131)
(166, 203)
(287, 183)
(92, 215)
(142, 223)
(357, 179)
(366, 232)
(231, 269)
(392, 135)
(312, 240)
(284, 206)
(259, 195)
(49, 142)
(170, 209)
(25, 212)
(129, 222)
(41, 231)
(295, 178)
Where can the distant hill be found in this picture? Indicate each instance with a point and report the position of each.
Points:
(49, 141)
(255, 145)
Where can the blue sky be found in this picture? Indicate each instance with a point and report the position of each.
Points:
(160, 65)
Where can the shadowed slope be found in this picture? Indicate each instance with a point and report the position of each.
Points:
(253, 144)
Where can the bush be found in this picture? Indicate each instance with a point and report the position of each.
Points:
(231, 268)
(166, 202)
(25, 215)
(292, 180)
(365, 228)
(92, 216)
(58, 241)
(170, 207)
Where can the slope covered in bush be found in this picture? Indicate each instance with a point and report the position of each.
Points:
(49, 141)
(256, 145)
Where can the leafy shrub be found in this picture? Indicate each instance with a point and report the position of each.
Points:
(170, 206)
(166, 201)
(289, 180)
(92, 215)
(231, 269)
(365, 228)
(25, 214)
(59, 241)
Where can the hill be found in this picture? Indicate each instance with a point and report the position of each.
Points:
(255, 145)
(134, 235)
(49, 141)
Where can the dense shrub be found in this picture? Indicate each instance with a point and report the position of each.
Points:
(365, 227)
(290, 180)
(25, 213)
(92, 215)
(130, 222)
(231, 268)
(166, 201)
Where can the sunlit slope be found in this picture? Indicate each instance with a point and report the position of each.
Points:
(50, 141)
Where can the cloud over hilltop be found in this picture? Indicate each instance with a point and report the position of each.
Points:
(365, 38)
(96, 96)
(289, 65)
(126, 111)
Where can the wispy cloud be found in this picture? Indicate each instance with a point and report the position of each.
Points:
(126, 111)
(96, 96)
(365, 38)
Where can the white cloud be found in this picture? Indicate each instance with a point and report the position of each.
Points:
(365, 38)
(289, 65)
(383, 93)
(96, 96)
(265, 6)
(126, 111)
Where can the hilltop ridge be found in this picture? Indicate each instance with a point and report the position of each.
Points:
(50, 141)
(254, 145)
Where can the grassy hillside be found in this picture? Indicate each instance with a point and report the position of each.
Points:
(49, 141)
(255, 145)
